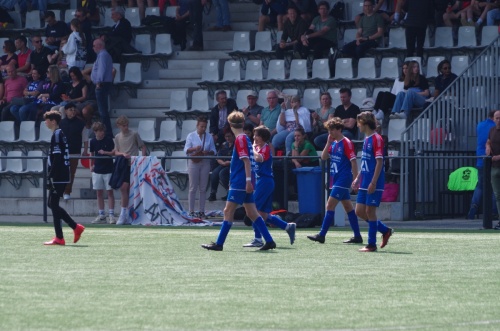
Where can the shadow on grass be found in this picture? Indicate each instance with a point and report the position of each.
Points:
(403, 253)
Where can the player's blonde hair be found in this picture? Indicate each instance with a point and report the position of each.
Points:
(236, 119)
(367, 118)
(334, 123)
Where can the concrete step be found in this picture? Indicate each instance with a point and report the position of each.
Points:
(155, 93)
(174, 84)
(203, 55)
(226, 45)
(139, 112)
(185, 64)
(180, 74)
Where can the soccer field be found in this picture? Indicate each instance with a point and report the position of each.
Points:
(140, 278)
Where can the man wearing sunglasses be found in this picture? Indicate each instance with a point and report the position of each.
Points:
(38, 57)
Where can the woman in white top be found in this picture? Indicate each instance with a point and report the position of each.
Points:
(199, 143)
(288, 121)
(385, 100)
(75, 48)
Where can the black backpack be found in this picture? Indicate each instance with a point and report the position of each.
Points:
(338, 11)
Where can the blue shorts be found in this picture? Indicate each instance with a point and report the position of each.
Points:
(369, 199)
(263, 194)
(340, 193)
(239, 197)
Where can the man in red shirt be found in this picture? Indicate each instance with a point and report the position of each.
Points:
(14, 88)
(23, 56)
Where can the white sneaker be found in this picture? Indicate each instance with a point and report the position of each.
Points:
(393, 116)
(66, 196)
(379, 116)
(111, 219)
(123, 220)
(254, 243)
(100, 219)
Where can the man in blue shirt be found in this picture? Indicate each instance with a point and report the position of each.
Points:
(482, 130)
(102, 77)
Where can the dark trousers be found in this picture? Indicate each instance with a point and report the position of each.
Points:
(280, 52)
(219, 175)
(6, 115)
(385, 101)
(196, 15)
(101, 95)
(59, 213)
(358, 51)
(415, 35)
(318, 45)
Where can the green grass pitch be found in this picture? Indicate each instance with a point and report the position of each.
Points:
(140, 278)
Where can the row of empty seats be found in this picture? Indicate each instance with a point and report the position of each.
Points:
(27, 138)
(14, 168)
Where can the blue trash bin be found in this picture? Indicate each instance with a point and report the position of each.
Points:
(309, 186)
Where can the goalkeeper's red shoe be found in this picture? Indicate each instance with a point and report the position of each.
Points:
(55, 241)
(78, 232)
(386, 236)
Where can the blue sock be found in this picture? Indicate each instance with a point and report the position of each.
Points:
(327, 222)
(276, 221)
(224, 230)
(372, 232)
(381, 227)
(353, 221)
(257, 232)
(259, 224)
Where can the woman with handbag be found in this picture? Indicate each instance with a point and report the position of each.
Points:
(199, 143)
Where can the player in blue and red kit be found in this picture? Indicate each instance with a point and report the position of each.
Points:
(264, 187)
(241, 187)
(340, 151)
(371, 182)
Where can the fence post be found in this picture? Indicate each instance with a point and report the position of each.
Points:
(412, 206)
(44, 185)
(487, 191)
(285, 182)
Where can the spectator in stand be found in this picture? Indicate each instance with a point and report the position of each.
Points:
(399, 13)
(86, 28)
(253, 110)
(199, 143)
(293, 29)
(38, 57)
(482, 132)
(272, 12)
(119, 38)
(417, 17)
(102, 78)
(289, 120)
(14, 87)
(385, 100)
(181, 21)
(321, 35)
(218, 116)
(347, 112)
(75, 131)
(415, 93)
(90, 12)
(223, 16)
(54, 31)
(220, 174)
(76, 46)
(10, 57)
(269, 115)
(380, 8)
(494, 13)
(454, 11)
(30, 93)
(77, 92)
(23, 55)
(477, 8)
(306, 8)
(59, 58)
(248, 130)
(303, 147)
(50, 93)
(320, 117)
(370, 31)
(444, 79)
(196, 14)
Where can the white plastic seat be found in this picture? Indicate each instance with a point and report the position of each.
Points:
(34, 165)
(488, 34)
(108, 21)
(132, 14)
(147, 130)
(188, 126)
(171, 11)
(178, 165)
(397, 38)
(199, 101)
(33, 20)
(118, 74)
(396, 128)
(7, 132)
(358, 95)
(153, 11)
(178, 100)
(27, 131)
(349, 35)
(241, 41)
(310, 100)
(133, 73)
(263, 96)
(231, 71)
(163, 44)
(241, 98)
(459, 63)
(389, 68)
(366, 68)
(355, 8)
(467, 36)
(210, 71)
(263, 41)
(418, 59)
(14, 164)
(298, 69)
(276, 69)
(45, 134)
(343, 68)
(443, 37)
(69, 14)
(253, 70)
(432, 63)
(290, 91)
(168, 131)
(142, 43)
(335, 93)
(321, 69)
